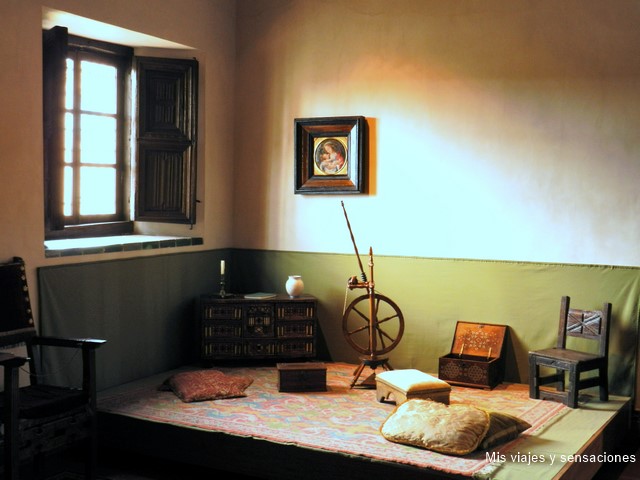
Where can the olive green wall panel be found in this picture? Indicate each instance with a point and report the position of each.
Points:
(144, 306)
(434, 294)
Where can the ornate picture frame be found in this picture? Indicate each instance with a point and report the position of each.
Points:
(330, 155)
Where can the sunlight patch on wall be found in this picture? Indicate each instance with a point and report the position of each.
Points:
(86, 27)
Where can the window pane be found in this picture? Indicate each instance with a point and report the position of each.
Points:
(99, 87)
(68, 138)
(98, 140)
(68, 191)
(68, 96)
(97, 191)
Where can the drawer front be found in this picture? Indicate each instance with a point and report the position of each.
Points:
(225, 349)
(296, 311)
(259, 321)
(259, 327)
(295, 329)
(300, 347)
(222, 329)
(261, 348)
(218, 311)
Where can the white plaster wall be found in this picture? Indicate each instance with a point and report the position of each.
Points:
(498, 130)
(208, 26)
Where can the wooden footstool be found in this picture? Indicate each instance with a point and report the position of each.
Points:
(407, 384)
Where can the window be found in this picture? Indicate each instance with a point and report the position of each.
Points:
(91, 174)
(94, 129)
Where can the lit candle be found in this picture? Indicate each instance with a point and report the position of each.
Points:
(221, 267)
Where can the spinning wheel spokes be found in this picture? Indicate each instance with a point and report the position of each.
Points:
(382, 334)
(389, 328)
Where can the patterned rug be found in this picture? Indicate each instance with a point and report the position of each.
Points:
(339, 420)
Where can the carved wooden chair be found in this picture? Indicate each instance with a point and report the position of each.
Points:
(38, 418)
(591, 325)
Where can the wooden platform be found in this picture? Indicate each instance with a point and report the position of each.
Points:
(159, 432)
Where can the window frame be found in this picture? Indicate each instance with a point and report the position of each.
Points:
(159, 162)
(57, 225)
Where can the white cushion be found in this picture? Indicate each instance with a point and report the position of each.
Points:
(412, 380)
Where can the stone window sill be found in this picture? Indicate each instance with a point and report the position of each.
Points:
(120, 243)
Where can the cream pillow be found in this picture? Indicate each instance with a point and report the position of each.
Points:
(452, 429)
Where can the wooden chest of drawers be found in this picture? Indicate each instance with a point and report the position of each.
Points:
(235, 327)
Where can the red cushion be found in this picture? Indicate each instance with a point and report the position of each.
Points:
(201, 385)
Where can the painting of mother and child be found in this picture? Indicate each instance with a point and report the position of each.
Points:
(331, 157)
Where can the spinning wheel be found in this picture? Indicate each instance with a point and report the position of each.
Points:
(387, 325)
(372, 324)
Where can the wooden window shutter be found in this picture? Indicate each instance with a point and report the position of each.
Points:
(54, 58)
(166, 140)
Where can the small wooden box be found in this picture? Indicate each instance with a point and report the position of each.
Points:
(477, 356)
(302, 377)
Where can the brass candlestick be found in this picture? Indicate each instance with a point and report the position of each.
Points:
(223, 293)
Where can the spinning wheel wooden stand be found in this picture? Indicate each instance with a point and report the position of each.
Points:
(372, 324)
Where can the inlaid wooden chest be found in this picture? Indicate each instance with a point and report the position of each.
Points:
(477, 356)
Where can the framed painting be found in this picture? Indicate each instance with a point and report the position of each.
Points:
(330, 155)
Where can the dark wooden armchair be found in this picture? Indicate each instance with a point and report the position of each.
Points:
(39, 418)
(587, 324)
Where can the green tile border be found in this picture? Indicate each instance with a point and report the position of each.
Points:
(124, 247)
